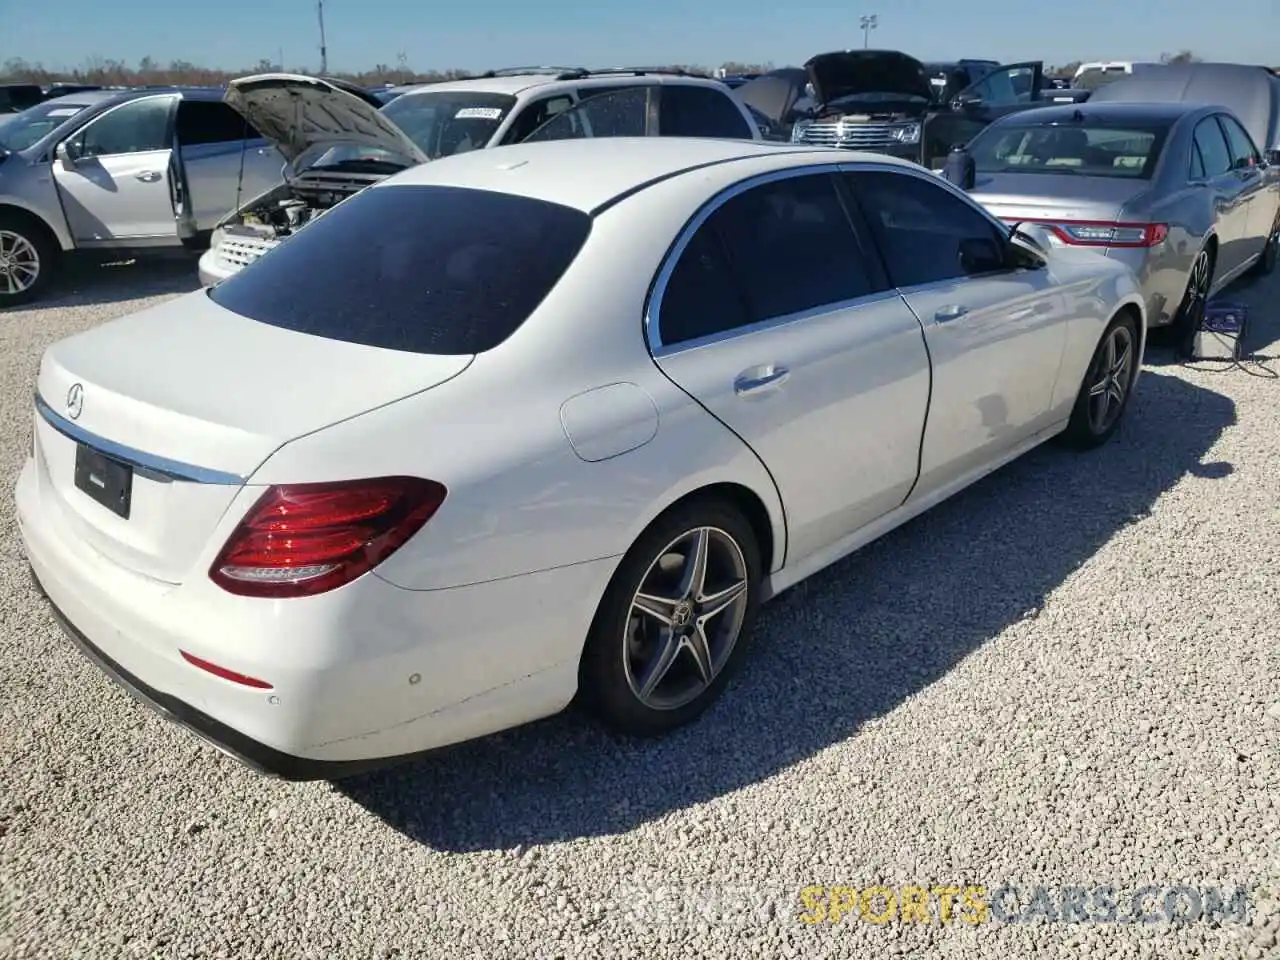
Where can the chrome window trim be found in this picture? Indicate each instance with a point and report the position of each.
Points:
(146, 464)
(653, 308)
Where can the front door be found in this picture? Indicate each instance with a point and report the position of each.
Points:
(996, 334)
(778, 321)
(1006, 89)
(117, 188)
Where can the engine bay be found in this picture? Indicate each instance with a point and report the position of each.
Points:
(291, 206)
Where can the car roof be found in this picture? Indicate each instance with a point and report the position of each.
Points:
(85, 98)
(516, 84)
(1249, 91)
(90, 98)
(1117, 110)
(589, 173)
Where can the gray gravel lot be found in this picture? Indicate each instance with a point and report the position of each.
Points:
(1066, 675)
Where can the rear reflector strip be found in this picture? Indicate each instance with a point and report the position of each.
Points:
(224, 673)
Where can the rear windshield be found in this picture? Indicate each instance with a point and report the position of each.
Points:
(423, 269)
(1090, 149)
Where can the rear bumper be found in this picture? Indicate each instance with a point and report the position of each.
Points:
(363, 677)
(258, 756)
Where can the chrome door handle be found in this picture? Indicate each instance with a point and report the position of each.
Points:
(148, 176)
(750, 381)
(947, 314)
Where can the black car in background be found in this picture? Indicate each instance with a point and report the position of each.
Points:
(15, 97)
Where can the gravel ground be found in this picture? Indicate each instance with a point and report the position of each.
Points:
(1066, 675)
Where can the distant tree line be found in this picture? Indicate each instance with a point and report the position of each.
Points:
(148, 70)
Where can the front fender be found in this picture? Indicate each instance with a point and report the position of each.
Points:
(49, 213)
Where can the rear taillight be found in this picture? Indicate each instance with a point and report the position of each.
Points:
(302, 539)
(1101, 233)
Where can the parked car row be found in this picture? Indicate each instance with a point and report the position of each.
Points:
(238, 169)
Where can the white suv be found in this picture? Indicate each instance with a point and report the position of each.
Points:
(338, 142)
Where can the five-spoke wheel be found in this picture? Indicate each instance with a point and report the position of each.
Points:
(674, 620)
(1104, 394)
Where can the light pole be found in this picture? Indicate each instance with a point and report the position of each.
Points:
(324, 51)
(868, 24)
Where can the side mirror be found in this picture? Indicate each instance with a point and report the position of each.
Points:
(1029, 245)
(980, 255)
(65, 156)
(1273, 157)
(966, 101)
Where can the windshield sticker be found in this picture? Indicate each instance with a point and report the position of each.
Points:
(64, 112)
(478, 113)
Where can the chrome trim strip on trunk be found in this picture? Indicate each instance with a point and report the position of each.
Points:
(147, 464)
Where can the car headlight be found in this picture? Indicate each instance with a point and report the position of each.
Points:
(907, 134)
(215, 238)
(799, 129)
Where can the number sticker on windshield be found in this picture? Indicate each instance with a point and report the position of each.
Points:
(64, 112)
(478, 113)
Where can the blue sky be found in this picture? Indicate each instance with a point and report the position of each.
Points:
(485, 33)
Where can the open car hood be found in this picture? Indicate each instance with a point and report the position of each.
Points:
(848, 72)
(297, 113)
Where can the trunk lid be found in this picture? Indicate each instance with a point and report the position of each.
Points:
(191, 390)
(1049, 196)
(847, 73)
(298, 113)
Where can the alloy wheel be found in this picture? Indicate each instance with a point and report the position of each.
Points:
(1198, 285)
(685, 618)
(19, 263)
(1109, 381)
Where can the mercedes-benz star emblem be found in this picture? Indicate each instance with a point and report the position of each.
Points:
(75, 401)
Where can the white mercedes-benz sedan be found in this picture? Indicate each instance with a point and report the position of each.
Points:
(541, 423)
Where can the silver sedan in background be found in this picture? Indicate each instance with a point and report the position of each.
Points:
(1179, 192)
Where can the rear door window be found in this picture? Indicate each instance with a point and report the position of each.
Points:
(690, 111)
(423, 269)
(1215, 155)
(210, 121)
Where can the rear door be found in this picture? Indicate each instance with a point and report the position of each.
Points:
(119, 186)
(773, 316)
(996, 336)
(223, 158)
(1211, 170)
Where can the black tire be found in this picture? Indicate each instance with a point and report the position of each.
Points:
(1191, 311)
(24, 244)
(1086, 430)
(1266, 264)
(613, 660)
